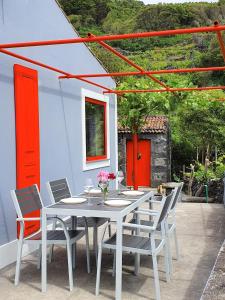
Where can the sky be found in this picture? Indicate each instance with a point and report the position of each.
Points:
(175, 1)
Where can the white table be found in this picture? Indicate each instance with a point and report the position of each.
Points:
(95, 210)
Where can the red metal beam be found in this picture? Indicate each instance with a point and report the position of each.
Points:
(115, 37)
(130, 62)
(119, 74)
(120, 92)
(50, 68)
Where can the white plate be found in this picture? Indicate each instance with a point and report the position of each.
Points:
(117, 202)
(73, 200)
(133, 193)
(94, 191)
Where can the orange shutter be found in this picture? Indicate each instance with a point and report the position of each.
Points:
(27, 133)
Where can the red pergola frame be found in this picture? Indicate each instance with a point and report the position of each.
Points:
(217, 29)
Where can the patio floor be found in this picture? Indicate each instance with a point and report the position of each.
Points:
(201, 231)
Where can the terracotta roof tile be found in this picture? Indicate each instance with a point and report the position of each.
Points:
(154, 124)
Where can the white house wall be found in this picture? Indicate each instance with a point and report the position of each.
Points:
(59, 101)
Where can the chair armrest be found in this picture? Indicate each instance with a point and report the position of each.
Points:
(33, 219)
(148, 212)
(28, 219)
(138, 226)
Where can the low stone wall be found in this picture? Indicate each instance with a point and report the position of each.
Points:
(215, 190)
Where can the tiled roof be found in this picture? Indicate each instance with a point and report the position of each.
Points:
(154, 124)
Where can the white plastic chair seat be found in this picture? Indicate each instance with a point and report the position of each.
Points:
(133, 242)
(57, 235)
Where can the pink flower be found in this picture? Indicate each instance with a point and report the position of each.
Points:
(103, 176)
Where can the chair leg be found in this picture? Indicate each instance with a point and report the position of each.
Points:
(39, 258)
(166, 261)
(114, 264)
(87, 252)
(18, 261)
(51, 250)
(95, 242)
(176, 244)
(156, 276)
(70, 271)
(168, 245)
(169, 253)
(98, 270)
(74, 255)
(110, 230)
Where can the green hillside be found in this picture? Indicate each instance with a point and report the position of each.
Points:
(196, 122)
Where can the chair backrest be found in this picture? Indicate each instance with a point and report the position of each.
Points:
(166, 204)
(58, 189)
(177, 195)
(26, 200)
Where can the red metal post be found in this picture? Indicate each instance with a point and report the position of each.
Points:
(135, 161)
(220, 40)
(111, 49)
(221, 44)
(119, 74)
(120, 92)
(114, 37)
(51, 68)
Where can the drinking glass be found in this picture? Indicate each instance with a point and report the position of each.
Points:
(88, 186)
(120, 178)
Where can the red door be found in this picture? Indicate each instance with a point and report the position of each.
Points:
(143, 165)
(27, 133)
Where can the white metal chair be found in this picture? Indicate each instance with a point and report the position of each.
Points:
(172, 217)
(139, 244)
(170, 223)
(28, 200)
(172, 232)
(59, 189)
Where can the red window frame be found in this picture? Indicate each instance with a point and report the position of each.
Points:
(104, 104)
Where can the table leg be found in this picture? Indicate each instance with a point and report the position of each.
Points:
(137, 256)
(44, 252)
(119, 259)
(74, 246)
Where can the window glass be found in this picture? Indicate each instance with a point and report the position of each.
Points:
(95, 129)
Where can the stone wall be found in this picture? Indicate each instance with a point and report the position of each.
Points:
(160, 155)
(215, 189)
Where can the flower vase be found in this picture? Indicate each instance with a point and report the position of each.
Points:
(105, 195)
(104, 188)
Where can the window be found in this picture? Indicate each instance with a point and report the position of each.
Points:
(95, 123)
(95, 130)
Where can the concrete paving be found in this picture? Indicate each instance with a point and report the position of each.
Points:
(201, 231)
